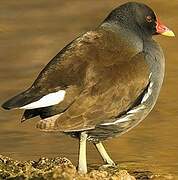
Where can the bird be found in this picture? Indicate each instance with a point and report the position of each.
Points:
(103, 83)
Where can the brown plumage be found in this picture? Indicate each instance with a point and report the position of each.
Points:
(112, 81)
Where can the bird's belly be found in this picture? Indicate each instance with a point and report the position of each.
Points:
(118, 126)
(125, 122)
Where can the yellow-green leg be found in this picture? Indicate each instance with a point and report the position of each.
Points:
(82, 164)
(104, 154)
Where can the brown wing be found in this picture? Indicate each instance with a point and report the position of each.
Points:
(115, 76)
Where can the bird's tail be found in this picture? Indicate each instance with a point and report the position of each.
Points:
(48, 124)
(20, 100)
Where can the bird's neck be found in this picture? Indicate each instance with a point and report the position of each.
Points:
(132, 38)
(131, 28)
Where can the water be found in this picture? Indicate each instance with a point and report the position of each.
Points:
(32, 32)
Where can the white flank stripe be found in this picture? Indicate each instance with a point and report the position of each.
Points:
(127, 117)
(48, 100)
(146, 96)
(135, 110)
(150, 75)
(130, 114)
(123, 119)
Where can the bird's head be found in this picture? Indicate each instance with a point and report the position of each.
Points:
(139, 18)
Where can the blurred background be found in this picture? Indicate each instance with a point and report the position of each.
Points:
(31, 33)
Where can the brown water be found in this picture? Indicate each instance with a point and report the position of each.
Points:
(32, 32)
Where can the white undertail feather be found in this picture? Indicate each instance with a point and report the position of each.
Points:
(48, 100)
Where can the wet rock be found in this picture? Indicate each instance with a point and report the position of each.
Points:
(61, 169)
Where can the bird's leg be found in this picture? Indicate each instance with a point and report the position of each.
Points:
(104, 154)
(82, 164)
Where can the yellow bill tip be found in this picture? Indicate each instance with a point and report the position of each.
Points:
(168, 33)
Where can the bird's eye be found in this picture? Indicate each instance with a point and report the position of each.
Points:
(149, 19)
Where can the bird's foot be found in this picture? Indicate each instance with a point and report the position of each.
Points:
(108, 166)
(82, 170)
(109, 162)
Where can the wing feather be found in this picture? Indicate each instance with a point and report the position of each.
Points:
(113, 94)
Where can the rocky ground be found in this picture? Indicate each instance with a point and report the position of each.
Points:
(63, 169)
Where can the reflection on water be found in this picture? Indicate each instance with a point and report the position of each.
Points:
(32, 32)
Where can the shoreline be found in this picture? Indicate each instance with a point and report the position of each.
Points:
(62, 168)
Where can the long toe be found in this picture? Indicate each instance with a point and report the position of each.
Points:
(110, 162)
(108, 166)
